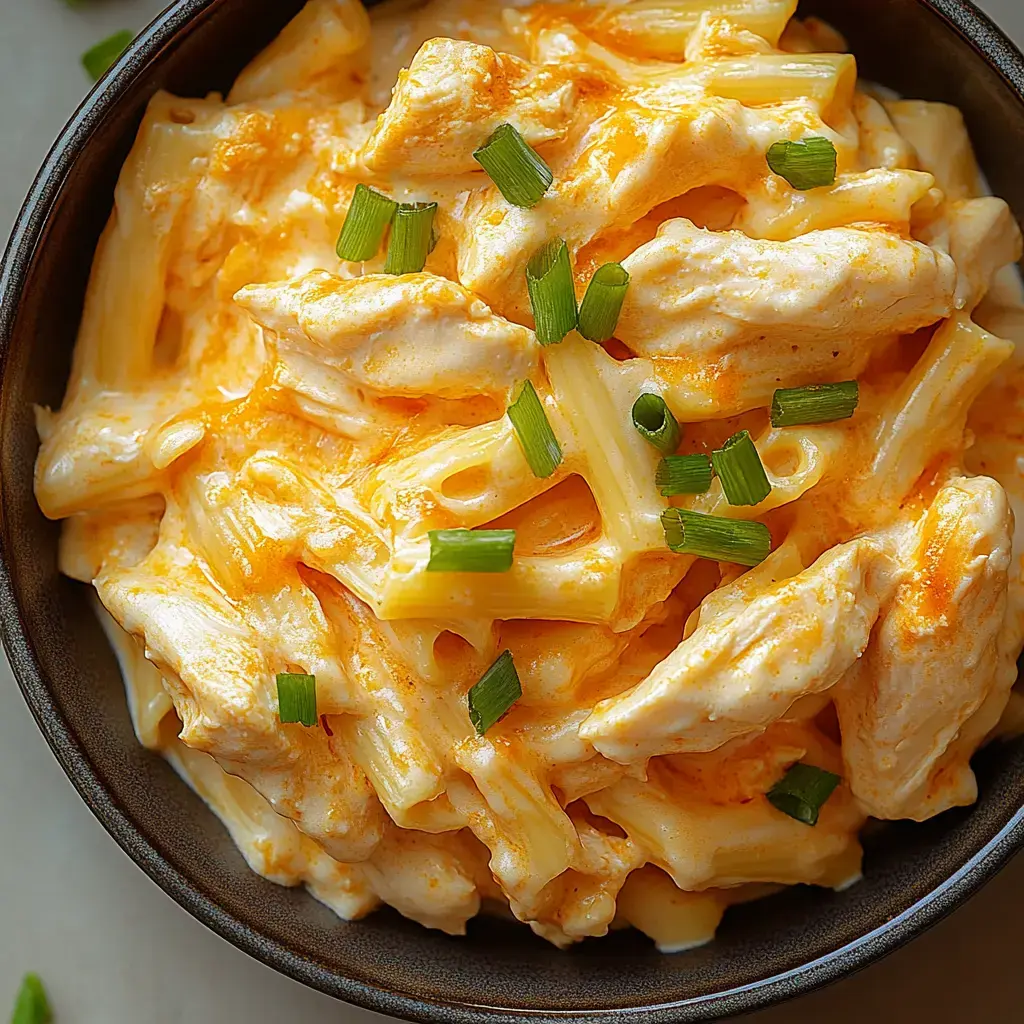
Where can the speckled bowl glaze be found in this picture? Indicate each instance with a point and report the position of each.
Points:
(765, 952)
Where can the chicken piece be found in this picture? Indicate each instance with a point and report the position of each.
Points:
(628, 162)
(96, 450)
(880, 144)
(120, 535)
(934, 660)
(220, 672)
(696, 292)
(271, 844)
(941, 144)
(399, 30)
(982, 237)
(764, 645)
(647, 135)
(812, 35)
(997, 421)
(409, 336)
(452, 97)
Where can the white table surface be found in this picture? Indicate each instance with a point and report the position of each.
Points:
(112, 948)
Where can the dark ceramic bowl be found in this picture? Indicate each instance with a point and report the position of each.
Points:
(800, 939)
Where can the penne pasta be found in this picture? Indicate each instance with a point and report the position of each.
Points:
(557, 460)
(662, 28)
(926, 415)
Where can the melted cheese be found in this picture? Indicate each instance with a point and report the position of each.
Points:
(258, 437)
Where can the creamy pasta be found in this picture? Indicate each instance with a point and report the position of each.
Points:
(616, 723)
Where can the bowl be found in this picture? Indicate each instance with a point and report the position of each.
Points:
(767, 951)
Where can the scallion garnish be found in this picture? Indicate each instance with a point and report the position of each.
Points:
(816, 403)
(296, 698)
(683, 474)
(600, 308)
(368, 217)
(802, 792)
(655, 423)
(805, 164)
(552, 296)
(31, 1006)
(521, 175)
(540, 446)
(471, 550)
(411, 239)
(724, 540)
(498, 689)
(739, 468)
(98, 59)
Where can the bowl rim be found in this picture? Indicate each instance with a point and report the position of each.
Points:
(186, 16)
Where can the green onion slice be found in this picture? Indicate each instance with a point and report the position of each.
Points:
(412, 238)
(599, 311)
(724, 540)
(683, 474)
(816, 403)
(540, 446)
(806, 164)
(498, 689)
(296, 698)
(471, 550)
(97, 60)
(655, 423)
(368, 217)
(802, 792)
(739, 468)
(552, 296)
(521, 175)
(31, 1006)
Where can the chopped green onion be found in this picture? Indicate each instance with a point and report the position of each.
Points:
(816, 403)
(368, 217)
(521, 175)
(471, 550)
(683, 474)
(739, 468)
(412, 238)
(31, 1006)
(724, 540)
(540, 446)
(296, 698)
(802, 792)
(97, 60)
(498, 689)
(655, 423)
(599, 311)
(806, 164)
(552, 296)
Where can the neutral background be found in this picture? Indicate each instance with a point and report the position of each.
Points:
(112, 947)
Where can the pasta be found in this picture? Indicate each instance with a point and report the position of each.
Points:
(580, 483)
